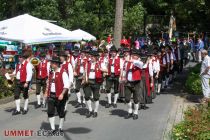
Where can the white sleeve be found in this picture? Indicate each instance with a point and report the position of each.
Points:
(73, 62)
(121, 63)
(71, 75)
(172, 58)
(138, 64)
(168, 59)
(158, 65)
(65, 80)
(164, 61)
(150, 70)
(29, 69)
(48, 68)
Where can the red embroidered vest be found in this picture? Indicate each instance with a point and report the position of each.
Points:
(116, 66)
(98, 72)
(136, 72)
(43, 68)
(23, 72)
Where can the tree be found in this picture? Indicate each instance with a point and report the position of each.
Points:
(133, 19)
(118, 22)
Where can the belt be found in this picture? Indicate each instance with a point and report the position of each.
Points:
(52, 94)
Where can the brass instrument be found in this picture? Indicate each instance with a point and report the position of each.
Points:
(10, 82)
(35, 61)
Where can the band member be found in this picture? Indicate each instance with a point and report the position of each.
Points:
(42, 74)
(170, 61)
(122, 79)
(156, 71)
(132, 86)
(91, 81)
(69, 69)
(113, 77)
(81, 61)
(57, 92)
(162, 72)
(23, 73)
(149, 81)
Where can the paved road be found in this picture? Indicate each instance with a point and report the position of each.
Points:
(110, 124)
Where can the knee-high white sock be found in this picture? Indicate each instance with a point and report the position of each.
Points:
(83, 101)
(89, 105)
(43, 100)
(109, 96)
(26, 104)
(136, 107)
(167, 80)
(130, 107)
(52, 122)
(61, 123)
(96, 106)
(163, 84)
(116, 97)
(38, 99)
(159, 87)
(17, 102)
(78, 97)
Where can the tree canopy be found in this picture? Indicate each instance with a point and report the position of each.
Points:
(97, 16)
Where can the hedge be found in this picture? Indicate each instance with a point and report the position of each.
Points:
(193, 82)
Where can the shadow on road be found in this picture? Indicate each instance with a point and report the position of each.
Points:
(103, 102)
(119, 112)
(81, 111)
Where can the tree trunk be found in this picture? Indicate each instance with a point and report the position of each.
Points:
(118, 22)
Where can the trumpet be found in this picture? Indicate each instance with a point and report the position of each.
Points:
(10, 82)
(35, 61)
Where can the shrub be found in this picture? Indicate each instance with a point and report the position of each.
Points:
(195, 126)
(4, 90)
(193, 82)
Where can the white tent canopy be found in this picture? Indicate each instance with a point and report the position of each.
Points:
(31, 30)
(78, 35)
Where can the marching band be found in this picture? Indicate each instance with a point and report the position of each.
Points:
(127, 74)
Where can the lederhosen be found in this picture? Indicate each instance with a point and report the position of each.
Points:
(19, 83)
(78, 78)
(113, 78)
(133, 87)
(53, 101)
(93, 85)
(41, 78)
(163, 70)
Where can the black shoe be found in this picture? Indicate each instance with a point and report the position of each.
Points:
(144, 107)
(43, 105)
(89, 114)
(38, 106)
(135, 117)
(25, 112)
(78, 105)
(129, 115)
(54, 131)
(83, 105)
(60, 130)
(158, 93)
(16, 112)
(108, 105)
(95, 114)
(115, 105)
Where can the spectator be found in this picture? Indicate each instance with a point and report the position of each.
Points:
(205, 75)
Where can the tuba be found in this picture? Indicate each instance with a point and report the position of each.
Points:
(35, 61)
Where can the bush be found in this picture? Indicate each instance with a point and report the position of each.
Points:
(195, 126)
(193, 82)
(4, 90)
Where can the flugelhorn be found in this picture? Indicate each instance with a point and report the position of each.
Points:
(35, 61)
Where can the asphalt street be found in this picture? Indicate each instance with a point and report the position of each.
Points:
(109, 125)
